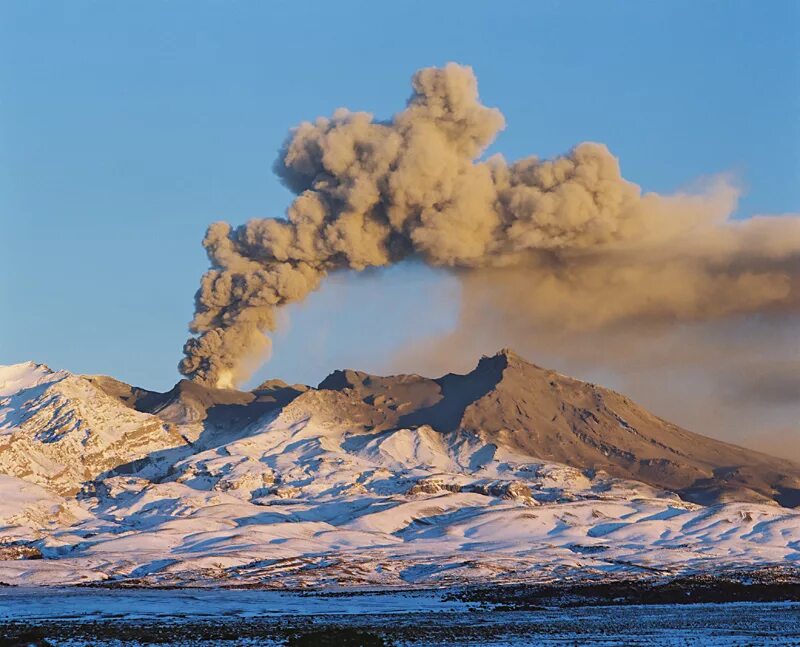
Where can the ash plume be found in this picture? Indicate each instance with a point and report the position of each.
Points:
(568, 242)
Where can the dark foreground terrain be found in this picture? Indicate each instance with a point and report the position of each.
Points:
(706, 624)
(679, 612)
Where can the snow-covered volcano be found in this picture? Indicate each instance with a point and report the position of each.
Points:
(509, 473)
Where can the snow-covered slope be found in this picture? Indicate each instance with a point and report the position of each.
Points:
(58, 430)
(290, 487)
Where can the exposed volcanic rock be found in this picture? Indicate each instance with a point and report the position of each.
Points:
(188, 402)
(560, 419)
(510, 402)
(125, 393)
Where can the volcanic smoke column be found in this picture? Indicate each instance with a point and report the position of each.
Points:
(370, 194)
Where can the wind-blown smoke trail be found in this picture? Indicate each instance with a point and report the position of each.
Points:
(586, 246)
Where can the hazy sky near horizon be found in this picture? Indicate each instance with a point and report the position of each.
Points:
(126, 128)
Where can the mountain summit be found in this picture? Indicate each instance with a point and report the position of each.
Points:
(540, 413)
(505, 401)
(511, 470)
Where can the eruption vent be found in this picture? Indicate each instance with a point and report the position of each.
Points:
(578, 244)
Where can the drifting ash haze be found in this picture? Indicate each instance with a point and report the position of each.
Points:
(540, 245)
(509, 473)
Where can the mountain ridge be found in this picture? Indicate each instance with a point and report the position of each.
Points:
(496, 401)
(371, 480)
(504, 400)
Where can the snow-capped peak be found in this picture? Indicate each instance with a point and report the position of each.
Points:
(25, 375)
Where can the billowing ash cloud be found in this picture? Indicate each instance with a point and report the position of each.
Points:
(568, 241)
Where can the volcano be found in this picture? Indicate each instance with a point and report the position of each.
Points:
(510, 472)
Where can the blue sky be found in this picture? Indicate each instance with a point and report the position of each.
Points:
(127, 127)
